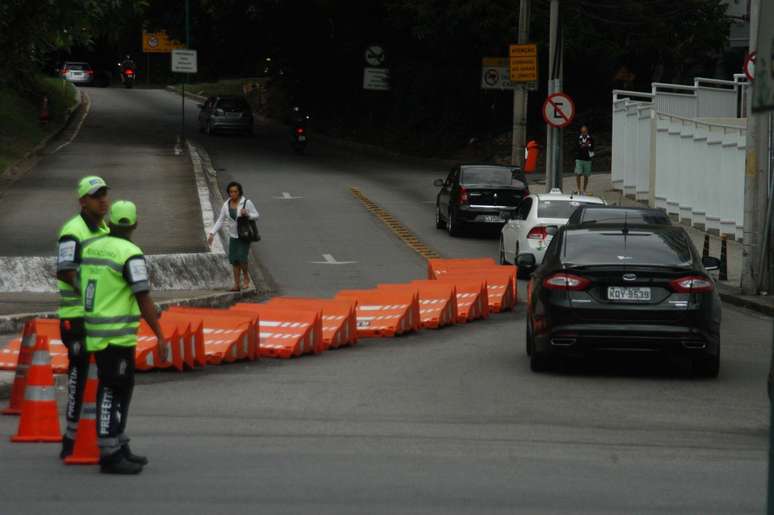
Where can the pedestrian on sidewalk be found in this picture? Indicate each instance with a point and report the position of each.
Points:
(75, 234)
(583, 154)
(115, 288)
(236, 205)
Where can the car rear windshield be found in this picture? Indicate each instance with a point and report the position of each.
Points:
(558, 208)
(77, 66)
(232, 103)
(617, 247)
(490, 175)
(632, 216)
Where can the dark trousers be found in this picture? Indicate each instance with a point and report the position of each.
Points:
(74, 338)
(115, 369)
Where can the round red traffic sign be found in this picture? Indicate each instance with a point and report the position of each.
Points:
(558, 110)
(749, 65)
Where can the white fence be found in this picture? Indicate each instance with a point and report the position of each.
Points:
(668, 152)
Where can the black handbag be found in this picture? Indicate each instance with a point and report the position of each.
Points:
(247, 229)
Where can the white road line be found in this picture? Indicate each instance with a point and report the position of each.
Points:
(330, 260)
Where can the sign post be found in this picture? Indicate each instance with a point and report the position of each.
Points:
(184, 61)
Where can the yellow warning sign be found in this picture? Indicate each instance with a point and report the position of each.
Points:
(523, 63)
(159, 43)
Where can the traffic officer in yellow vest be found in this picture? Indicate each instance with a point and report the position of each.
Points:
(77, 233)
(116, 291)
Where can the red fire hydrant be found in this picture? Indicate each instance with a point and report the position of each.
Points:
(43, 116)
(531, 154)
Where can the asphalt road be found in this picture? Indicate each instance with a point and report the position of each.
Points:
(448, 421)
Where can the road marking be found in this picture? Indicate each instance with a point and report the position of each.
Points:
(287, 196)
(80, 124)
(330, 260)
(397, 228)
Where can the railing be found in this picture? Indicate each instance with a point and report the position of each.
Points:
(664, 153)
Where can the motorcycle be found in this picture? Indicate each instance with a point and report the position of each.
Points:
(298, 134)
(127, 77)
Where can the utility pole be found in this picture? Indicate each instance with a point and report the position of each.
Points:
(520, 93)
(755, 184)
(185, 76)
(554, 136)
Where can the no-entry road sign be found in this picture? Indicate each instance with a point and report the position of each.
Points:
(558, 110)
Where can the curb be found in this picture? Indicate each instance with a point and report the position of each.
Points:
(734, 297)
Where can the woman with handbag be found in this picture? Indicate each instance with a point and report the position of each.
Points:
(238, 215)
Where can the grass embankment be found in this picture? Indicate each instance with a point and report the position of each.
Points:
(20, 128)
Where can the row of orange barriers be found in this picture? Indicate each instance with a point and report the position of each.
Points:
(456, 291)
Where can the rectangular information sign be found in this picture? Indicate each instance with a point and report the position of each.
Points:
(184, 61)
(523, 63)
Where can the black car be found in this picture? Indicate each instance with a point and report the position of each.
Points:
(225, 113)
(623, 288)
(478, 194)
(618, 214)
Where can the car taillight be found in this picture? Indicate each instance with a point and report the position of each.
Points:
(299, 130)
(129, 73)
(464, 198)
(89, 72)
(538, 233)
(692, 284)
(564, 281)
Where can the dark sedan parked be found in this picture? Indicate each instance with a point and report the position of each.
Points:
(623, 288)
(478, 194)
(618, 214)
(225, 113)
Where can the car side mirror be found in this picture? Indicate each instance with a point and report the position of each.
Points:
(438, 182)
(710, 263)
(526, 261)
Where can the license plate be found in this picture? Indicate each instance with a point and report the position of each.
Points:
(492, 219)
(302, 138)
(628, 294)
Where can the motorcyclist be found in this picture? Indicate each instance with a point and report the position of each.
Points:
(126, 64)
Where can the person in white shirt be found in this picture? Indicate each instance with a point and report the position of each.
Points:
(238, 250)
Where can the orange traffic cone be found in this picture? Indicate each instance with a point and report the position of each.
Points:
(86, 451)
(39, 420)
(22, 365)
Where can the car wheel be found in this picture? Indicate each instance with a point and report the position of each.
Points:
(519, 273)
(707, 367)
(501, 252)
(439, 223)
(452, 225)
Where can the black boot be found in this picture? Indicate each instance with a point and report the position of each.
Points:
(67, 447)
(134, 458)
(117, 463)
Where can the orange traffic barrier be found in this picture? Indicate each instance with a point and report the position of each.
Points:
(501, 284)
(24, 358)
(151, 353)
(339, 317)
(402, 289)
(437, 303)
(383, 313)
(228, 335)
(86, 451)
(39, 421)
(193, 334)
(472, 297)
(286, 332)
(438, 267)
